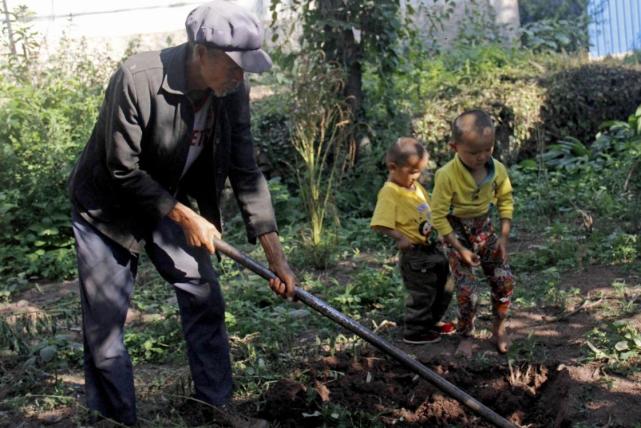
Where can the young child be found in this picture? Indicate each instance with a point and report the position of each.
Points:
(403, 213)
(464, 190)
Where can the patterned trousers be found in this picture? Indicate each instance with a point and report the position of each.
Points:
(477, 234)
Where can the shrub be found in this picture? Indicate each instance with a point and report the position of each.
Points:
(535, 99)
(555, 35)
(503, 82)
(45, 118)
(579, 99)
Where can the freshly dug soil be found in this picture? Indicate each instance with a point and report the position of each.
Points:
(530, 395)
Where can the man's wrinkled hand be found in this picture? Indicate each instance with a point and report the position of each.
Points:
(285, 282)
(198, 231)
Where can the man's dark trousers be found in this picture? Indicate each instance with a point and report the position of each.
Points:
(106, 273)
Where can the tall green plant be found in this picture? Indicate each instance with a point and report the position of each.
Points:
(319, 127)
(21, 42)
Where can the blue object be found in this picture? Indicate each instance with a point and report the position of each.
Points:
(615, 26)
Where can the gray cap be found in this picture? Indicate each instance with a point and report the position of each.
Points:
(226, 26)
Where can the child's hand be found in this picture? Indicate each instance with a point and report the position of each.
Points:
(469, 257)
(404, 243)
(501, 249)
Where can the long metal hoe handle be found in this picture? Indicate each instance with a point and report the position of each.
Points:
(345, 321)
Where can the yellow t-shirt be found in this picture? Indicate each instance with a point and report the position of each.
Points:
(405, 210)
(456, 191)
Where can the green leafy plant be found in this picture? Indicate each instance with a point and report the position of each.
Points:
(619, 345)
(46, 113)
(567, 154)
(556, 35)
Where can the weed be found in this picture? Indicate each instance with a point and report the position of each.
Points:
(528, 349)
(618, 345)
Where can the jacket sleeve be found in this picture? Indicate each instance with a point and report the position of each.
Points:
(441, 202)
(247, 180)
(123, 146)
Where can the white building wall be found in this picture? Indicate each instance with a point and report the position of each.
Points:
(158, 23)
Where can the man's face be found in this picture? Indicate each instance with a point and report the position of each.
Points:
(475, 148)
(219, 72)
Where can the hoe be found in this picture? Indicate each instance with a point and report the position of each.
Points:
(326, 310)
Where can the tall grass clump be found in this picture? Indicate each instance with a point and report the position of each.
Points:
(319, 130)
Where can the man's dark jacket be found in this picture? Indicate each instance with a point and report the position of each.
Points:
(128, 176)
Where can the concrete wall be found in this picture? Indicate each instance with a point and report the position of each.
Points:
(503, 13)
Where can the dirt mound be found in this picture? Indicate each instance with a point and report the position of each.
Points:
(375, 385)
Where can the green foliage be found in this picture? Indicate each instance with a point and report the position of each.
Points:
(160, 341)
(579, 99)
(584, 200)
(46, 116)
(555, 35)
(535, 99)
(21, 43)
(329, 27)
(557, 26)
(478, 26)
(270, 131)
(618, 344)
(501, 81)
(544, 285)
(369, 290)
(537, 10)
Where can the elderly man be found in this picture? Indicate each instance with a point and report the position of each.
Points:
(173, 127)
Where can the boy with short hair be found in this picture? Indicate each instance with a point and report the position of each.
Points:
(464, 191)
(403, 213)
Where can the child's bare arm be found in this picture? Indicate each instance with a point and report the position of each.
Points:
(467, 256)
(401, 240)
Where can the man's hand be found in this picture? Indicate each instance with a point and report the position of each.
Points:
(198, 231)
(285, 283)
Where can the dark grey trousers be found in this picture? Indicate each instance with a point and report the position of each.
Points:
(106, 274)
(425, 271)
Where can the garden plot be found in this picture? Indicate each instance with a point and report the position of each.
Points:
(567, 366)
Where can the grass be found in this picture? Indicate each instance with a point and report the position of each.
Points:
(270, 337)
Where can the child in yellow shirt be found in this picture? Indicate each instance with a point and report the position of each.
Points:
(464, 191)
(403, 213)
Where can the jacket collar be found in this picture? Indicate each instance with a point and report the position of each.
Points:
(174, 61)
(465, 171)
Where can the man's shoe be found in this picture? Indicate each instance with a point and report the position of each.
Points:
(445, 329)
(422, 338)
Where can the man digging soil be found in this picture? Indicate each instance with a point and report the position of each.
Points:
(174, 124)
